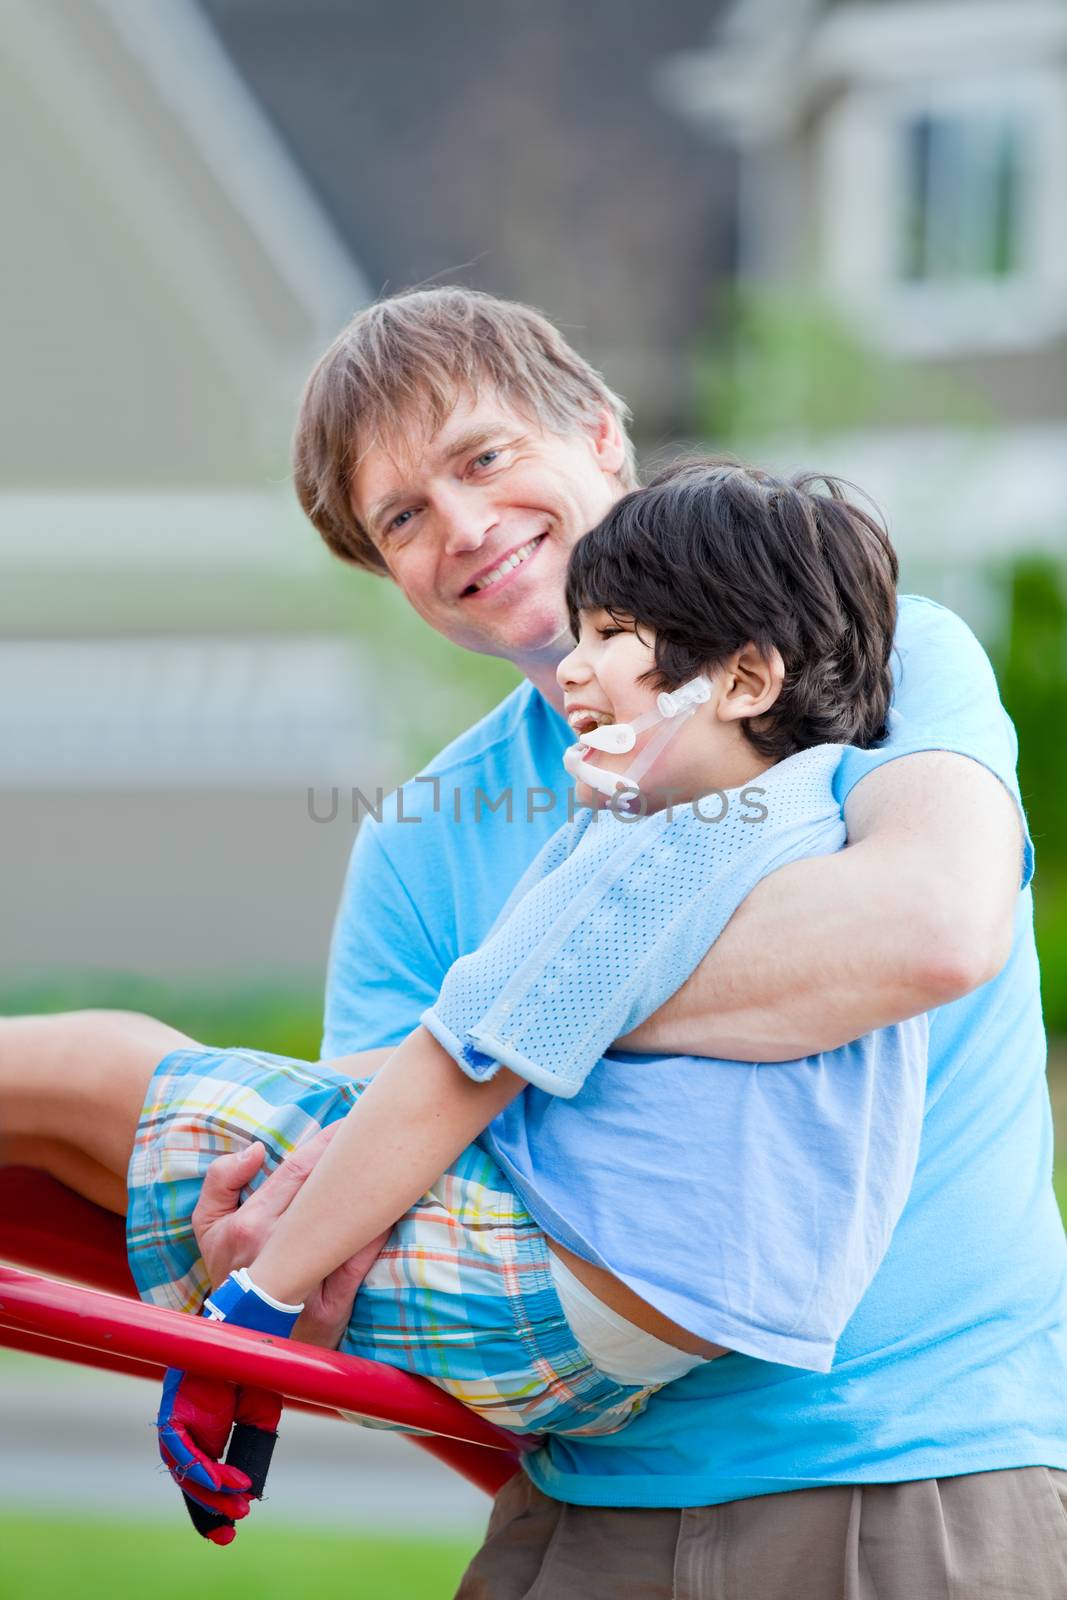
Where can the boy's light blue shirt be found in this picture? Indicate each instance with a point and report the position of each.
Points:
(956, 1360)
(751, 1205)
(614, 913)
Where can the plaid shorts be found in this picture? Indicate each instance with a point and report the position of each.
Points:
(462, 1293)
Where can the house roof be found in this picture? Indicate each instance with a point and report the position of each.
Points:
(169, 277)
(520, 149)
(159, 239)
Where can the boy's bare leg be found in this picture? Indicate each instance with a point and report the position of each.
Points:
(72, 1167)
(71, 1092)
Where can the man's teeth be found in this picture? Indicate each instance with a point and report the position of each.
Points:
(506, 565)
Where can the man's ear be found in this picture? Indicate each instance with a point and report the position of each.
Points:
(751, 683)
(608, 440)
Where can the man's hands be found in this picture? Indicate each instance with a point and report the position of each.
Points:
(231, 1235)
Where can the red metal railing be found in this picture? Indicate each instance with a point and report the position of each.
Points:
(97, 1321)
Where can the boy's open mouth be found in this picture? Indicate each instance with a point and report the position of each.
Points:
(584, 721)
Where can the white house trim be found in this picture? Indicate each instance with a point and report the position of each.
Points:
(769, 58)
(748, 90)
(903, 41)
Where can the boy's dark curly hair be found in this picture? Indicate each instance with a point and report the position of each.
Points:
(713, 555)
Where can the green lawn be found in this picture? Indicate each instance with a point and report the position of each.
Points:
(286, 1020)
(1057, 1084)
(53, 1559)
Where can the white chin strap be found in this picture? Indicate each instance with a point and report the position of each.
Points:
(674, 708)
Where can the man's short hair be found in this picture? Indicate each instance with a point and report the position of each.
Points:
(407, 358)
(714, 555)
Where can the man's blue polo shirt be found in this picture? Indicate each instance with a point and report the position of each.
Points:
(956, 1360)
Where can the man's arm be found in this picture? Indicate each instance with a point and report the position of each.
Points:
(915, 912)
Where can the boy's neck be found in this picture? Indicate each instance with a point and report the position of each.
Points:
(733, 767)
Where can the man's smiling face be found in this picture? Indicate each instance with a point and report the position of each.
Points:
(475, 522)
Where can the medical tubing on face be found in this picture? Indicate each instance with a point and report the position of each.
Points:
(674, 707)
(637, 768)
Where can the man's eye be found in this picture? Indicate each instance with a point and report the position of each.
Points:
(486, 458)
(399, 521)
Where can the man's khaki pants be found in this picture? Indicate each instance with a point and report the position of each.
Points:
(984, 1536)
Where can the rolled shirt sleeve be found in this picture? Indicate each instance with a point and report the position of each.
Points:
(945, 697)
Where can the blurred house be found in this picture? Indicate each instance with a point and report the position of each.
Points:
(197, 193)
(189, 186)
(901, 162)
(518, 148)
(176, 662)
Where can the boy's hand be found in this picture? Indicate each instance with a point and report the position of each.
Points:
(195, 1418)
(231, 1235)
(197, 1414)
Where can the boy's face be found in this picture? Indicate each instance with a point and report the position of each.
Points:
(600, 683)
(599, 679)
(476, 520)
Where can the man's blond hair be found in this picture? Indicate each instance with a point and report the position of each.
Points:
(405, 360)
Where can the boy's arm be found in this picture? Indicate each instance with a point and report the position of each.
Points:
(916, 912)
(408, 1125)
(416, 1114)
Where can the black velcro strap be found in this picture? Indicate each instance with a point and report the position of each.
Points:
(250, 1451)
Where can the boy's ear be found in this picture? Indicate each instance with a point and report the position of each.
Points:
(751, 683)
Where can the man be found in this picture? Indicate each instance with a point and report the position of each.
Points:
(457, 445)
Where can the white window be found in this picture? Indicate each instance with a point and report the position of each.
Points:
(943, 220)
(963, 195)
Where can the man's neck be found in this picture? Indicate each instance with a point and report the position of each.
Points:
(541, 671)
(549, 688)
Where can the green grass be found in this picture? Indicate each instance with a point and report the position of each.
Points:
(280, 1018)
(53, 1559)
